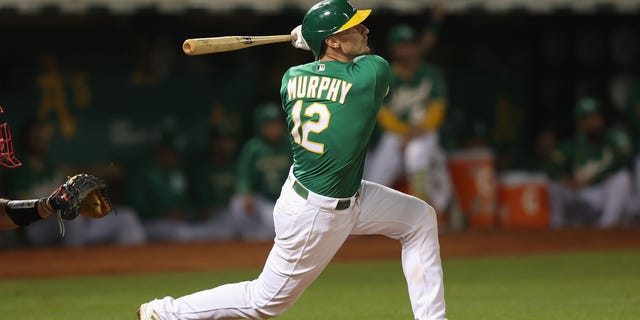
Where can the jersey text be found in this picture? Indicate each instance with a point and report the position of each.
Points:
(314, 87)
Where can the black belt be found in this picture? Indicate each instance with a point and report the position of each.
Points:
(304, 194)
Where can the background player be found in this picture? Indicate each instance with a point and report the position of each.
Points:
(411, 116)
(263, 165)
(592, 181)
(331, 107)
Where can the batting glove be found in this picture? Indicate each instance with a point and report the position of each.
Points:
(299, 41)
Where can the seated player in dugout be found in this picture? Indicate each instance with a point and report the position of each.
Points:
(213, 180)
(591, 180)
(412, 114)
(158, 192)
(212, 184)
(262, 168)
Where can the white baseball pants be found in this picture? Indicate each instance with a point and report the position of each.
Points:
(123, 228)
(421, 156)
(308, 234)
(253, 225)
(605, 203)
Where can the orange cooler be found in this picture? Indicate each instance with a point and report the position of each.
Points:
(523, 200)
(473, 177)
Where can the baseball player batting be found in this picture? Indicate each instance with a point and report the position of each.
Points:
(80, 194)
(331, 106)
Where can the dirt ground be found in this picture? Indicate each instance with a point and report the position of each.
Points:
(207, 256)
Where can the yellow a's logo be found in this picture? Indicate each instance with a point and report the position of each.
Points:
(54, 98)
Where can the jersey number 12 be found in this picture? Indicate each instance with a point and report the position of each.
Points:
(300, 131)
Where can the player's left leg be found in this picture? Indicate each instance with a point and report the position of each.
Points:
(307, 237)
(561, 198)
(615, 199)
(124, 228)
(413, 222)
(439, 186)
(165, 229)
(254, 224)
(47, 232)
(265, 210)
(427, 171)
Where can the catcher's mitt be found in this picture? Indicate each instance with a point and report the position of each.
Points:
(81, 194)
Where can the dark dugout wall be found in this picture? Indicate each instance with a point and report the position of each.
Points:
(110, 85)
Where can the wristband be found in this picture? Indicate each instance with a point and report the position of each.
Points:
(23, 212)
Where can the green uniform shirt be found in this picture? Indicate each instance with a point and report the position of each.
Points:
(214, 184)
(583, 161)
(263, 167)
(155, 193)
(331, 109)
(408, 98)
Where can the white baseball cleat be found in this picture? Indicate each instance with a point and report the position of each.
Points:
(145, 312)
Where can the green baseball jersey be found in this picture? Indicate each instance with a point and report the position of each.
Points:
(263, 167)
(331, 109)
(214, 184)
(408, 98)
(154, 192)
(587, 162)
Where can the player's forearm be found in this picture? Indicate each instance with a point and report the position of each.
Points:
(18, 213)
(434, 117)
(5, 222)
(389, 122)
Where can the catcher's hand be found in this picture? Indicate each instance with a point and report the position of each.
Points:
(81, 194)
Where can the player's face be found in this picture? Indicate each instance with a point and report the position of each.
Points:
(592, 125)
(354, 41)
(38, 140)
(166, 157)
(273, 131)
(226, 146)
(408, 51)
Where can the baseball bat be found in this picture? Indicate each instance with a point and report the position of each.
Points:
(199, 46)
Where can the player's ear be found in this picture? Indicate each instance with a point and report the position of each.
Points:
(332, 42)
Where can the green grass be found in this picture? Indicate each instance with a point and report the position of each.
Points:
(571, 286)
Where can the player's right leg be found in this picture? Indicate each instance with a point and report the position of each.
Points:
(610, 198)
(413, 222)
(307, 237)
(124, 228)
(256, 224)
(417, 162)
